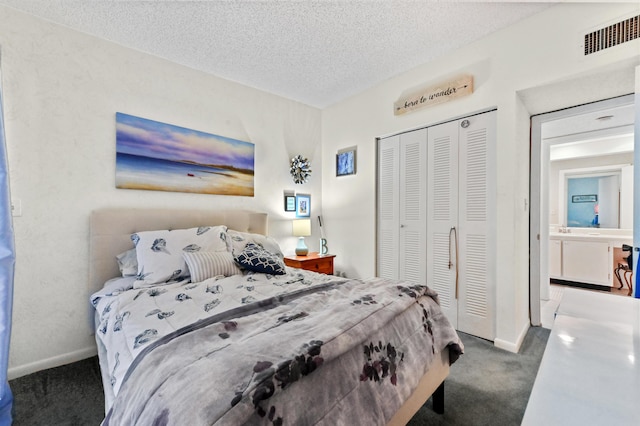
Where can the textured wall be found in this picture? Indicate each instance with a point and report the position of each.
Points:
(62, 89)
(532, 67)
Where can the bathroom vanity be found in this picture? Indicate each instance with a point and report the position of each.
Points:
(586, 255)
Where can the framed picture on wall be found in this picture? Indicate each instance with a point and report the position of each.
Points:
(289, 203)
(156, 156)
(346, 161)
(303, 205)
(584, 198)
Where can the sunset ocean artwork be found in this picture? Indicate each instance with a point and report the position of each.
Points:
(161, 157)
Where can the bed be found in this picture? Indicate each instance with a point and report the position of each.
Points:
(255, 342)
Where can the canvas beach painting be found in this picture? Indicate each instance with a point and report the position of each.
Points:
(162, 157)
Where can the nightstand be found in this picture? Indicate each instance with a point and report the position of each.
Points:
(322, 263)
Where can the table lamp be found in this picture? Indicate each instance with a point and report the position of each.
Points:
(301, 229)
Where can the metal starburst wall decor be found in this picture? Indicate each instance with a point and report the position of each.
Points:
(300, 169)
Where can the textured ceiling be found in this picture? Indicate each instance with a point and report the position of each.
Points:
(316, 52)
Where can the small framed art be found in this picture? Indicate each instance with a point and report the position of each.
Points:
(289, 203)
(303, 205)
(346, 161)
(584, 198)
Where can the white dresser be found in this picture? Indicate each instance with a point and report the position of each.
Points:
(590, 370)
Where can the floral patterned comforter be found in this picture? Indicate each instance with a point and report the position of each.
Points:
(301, 348)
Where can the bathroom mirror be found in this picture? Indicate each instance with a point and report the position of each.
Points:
(599, 197)
(593, 201)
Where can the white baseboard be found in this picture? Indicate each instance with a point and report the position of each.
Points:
(56, 361)
(511, 346)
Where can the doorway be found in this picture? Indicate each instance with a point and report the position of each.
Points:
(590, 140)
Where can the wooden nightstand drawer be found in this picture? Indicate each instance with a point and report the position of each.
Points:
(312, 262)
(324, 267)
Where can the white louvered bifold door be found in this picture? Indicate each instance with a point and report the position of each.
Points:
(435, 202)
(388, 207)
(476, 310)
(413, 206)
(442, 215)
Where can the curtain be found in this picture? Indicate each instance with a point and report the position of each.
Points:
(7, 261)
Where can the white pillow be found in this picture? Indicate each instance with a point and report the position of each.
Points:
(159, 253)
(208, 264)
(239, 241)
(128, 263)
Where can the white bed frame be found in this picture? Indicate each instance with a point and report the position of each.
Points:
(110, 232)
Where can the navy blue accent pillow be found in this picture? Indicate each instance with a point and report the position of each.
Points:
(255, 258)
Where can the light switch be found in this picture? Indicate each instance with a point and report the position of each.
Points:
(16, 207)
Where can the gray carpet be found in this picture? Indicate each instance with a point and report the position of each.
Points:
(487, 386)
(67, 395)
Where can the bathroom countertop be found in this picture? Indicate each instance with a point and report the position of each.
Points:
(616, 239)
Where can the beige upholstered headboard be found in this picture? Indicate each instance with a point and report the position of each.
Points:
(111, 229)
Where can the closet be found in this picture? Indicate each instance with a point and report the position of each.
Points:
(402, 206)
(436, 196)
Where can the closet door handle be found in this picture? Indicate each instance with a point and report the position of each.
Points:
(454, 232)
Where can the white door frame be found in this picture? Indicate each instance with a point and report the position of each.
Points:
(539, 195)
(636, 188)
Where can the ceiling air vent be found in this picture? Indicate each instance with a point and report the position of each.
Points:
(612, 35)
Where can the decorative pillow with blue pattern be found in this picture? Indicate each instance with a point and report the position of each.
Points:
(257, 259)
(237, 241)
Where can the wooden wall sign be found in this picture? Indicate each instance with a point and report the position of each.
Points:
(438, 93)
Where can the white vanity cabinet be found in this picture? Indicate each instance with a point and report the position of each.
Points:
(585, 256)
(588, 262)
(555, 259)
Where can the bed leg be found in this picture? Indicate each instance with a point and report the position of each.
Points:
(438, 399)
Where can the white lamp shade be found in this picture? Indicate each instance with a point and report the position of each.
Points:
(302, 227)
